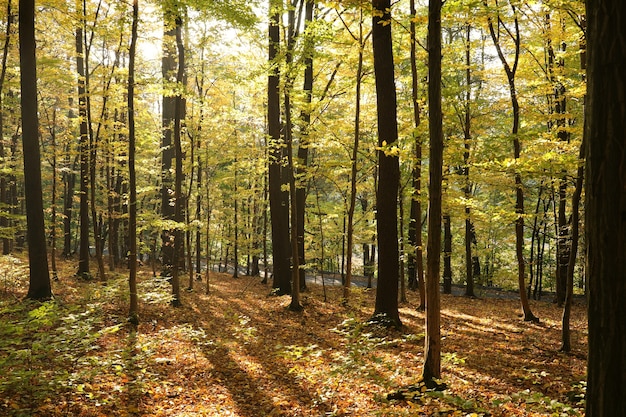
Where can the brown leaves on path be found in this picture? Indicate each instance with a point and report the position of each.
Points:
(240, 352)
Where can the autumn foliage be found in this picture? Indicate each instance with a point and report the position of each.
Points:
(239, 351)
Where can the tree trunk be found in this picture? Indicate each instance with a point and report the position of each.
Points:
(4, 216)
(605, 219)
(447, 254)
(510, 71)
(303, 148)
(432, 344)
(168, 72)
(470, 235)
(83, 256)
(416, 258)
(388, 171)
(278, 198)
(133, 313)
(353, 162)
(39, 283)
(179, 200)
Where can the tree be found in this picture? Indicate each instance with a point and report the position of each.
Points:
(278, 198)
(361, 39)
(179, 114)
(605, 219)
(39, 284)
(388, 162)
(432, 344)
(416, 258)
(510, 70)
(83, 256)
(133, 312)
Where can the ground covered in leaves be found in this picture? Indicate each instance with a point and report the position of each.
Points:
(237, 351)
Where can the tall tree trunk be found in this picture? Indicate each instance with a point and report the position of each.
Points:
(470, 235)
(277, 198)
(305, 118)
(388, 172)
(83, 256)
(566, 344)
(432, 344)
(133, 312)
(605, 218)
(293, 203)
(4, 216)
(179, 200)
(416, 258)
(39, 283)
(168, 72)
(53, 205)
(353, 162)
(510, 71)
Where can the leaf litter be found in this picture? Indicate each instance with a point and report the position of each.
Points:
(239, 351)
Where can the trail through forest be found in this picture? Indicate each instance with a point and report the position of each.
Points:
(240, 352)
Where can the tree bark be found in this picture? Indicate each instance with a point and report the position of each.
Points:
(605, 200)
(133, 313)
(278, 198)
(432, 344)
(83, 256)
(386, 307)
(179, 200)
(39, 282)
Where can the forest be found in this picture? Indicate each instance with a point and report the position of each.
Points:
(307, 208)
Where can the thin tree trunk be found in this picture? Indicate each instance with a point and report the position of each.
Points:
(416, 257)
(179, 202)
(353, 162)
(133, 313)
(447, 254)
(467, 189)
(83, 260)
(432, 344)
(519, 190)
(4, 218)
(305, 118)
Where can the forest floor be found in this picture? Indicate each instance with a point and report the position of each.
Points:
(238, 351)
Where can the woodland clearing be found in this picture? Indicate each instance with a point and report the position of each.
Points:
(238, 351)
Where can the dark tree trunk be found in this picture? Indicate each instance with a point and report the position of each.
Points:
(605, 218)
(83, 253)
(39, 284)
(447, 255)
(388, 167)
(432, 344)
(277, 197)
(416, 258)
(168, 72)
(133, 313)
(4, 218)
(470, 235)
(179, 199)
(303, 148)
